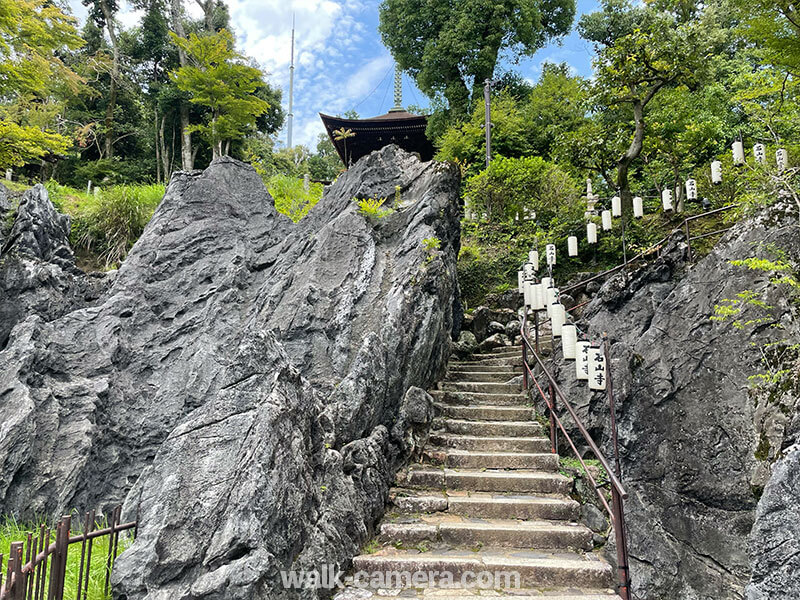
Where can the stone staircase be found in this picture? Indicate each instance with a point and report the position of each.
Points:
(487, 497)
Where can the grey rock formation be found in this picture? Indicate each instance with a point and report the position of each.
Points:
(775, 538)
(481, 318)
(690, 430)
(495, 327)
(245, 380)
(37, 267)
(466, 344)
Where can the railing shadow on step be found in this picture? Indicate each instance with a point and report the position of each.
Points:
(552, 398)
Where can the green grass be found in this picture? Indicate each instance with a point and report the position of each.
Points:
(105, 226)
(12, 531)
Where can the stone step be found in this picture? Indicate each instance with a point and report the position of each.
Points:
(491, 460)
(487, 412)
(473, 398)
(530, 445)
(466, 367)
(483, 388)
(454, 530)
(504, 352)
(509, 361)
(483, 376)
(488, 428)
(486, 505)
(528, 569)
(425, 477)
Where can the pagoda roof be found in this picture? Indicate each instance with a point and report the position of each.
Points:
(395, 127)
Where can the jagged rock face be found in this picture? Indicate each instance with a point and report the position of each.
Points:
(245, 381)
(689, 428)
(775, 538)
(37, 268)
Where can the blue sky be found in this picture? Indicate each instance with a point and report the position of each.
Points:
(341, 63)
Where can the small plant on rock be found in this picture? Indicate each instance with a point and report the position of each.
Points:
(372, 208)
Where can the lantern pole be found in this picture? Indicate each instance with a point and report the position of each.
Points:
(624, 247)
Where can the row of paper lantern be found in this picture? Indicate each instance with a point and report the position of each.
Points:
(590, 361)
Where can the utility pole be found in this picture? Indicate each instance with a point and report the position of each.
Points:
(290, 117)
(487, 95)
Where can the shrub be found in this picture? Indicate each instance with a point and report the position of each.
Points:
(109, 224)
(512, 187)
(372, 208)
(291, 198)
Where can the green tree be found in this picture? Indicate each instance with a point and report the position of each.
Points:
(324, 164)
(217, 79)
(452, 48)
(773, 27)
(642, 50)
(512, 187)
(33, 35)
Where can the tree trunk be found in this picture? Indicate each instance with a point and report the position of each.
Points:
(157, 143)
(166, 157)
(631, 154)
(187, 156)
(112, 96)
(208, 14)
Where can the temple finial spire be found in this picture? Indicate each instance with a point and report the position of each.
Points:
(398, 90)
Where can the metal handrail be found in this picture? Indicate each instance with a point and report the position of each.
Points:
(600, 456)
(618, 492)
(684, 225)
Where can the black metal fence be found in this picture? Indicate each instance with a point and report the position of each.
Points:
(37, 567)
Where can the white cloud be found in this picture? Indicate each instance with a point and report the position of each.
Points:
(338, 61)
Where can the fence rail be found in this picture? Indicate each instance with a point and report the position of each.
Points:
(27, 576)
(555, 396)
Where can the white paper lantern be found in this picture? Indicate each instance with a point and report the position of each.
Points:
(616, 206)
(638, 207)
(527, 291)
(538, 297)
(738, 153)
(572, 245)
(569, 337)
(598, 375)
(546, 282)
(550, 249)
(528, 270)
(666, 199)
(606, 216)
(520, 280)
(588, 187)
(582, 360)
(760, 154)
(782, 159)
(716, 172)
(533, 258)
(591, 233)
(549, 300)
(558, 316)
(691, 189)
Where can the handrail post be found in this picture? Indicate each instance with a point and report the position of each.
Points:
(612, 407)
(536, 330)
(553, 429)
(623, 565)
(688, 241)
(524, 352)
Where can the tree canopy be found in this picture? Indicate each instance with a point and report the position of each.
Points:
(452, 48)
